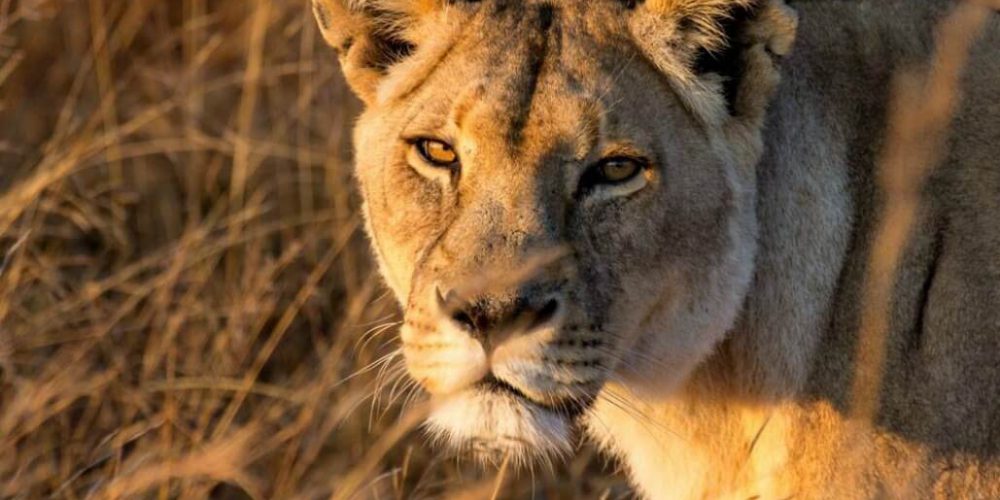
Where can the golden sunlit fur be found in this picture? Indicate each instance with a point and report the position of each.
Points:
(697, 320)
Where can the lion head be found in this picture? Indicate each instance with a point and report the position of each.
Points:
(560, 194)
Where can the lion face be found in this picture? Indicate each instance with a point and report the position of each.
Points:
(552, 211)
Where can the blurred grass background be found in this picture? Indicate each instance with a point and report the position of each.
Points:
(187, 304)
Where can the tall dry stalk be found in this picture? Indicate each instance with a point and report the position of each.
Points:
(923, 105)
(921, 112)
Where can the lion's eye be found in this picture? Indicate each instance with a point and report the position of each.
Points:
(611, 171)
(437, 153)
(615, 170)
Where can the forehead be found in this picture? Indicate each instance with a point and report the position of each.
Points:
(517, 62)
(561, 20)
(515, 40)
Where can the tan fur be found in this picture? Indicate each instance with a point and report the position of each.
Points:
(705, 310)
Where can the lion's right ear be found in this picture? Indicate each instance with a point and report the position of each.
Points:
(731, 48)
(367, 37)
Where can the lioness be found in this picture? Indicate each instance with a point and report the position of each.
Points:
(649, 220)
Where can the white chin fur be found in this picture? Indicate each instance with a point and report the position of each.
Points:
(494, 425)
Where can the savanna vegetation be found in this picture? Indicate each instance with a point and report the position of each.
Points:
(188, 307)
(187, 304)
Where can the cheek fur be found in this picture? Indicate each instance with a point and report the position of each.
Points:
(405, 212)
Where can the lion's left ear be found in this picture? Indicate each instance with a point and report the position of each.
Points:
(730, 47)
(370, 36)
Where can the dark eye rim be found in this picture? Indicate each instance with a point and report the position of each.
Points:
(592, 177)
(420, 143)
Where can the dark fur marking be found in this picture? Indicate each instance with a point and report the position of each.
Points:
(586, 343)
(919, 330)
(580, 363)
(348, 43)
(546, 13)
(538, 54)
(500, 7)
(425, 254)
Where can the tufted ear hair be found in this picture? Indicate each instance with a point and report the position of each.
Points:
(726, 48)
(369, 36)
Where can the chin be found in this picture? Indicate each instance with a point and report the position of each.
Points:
(495, 426)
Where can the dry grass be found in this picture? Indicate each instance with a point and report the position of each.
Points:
(187, 307)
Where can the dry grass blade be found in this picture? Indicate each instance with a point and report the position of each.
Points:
(9, 255)
(349, 486)
(223, 460)
(920, 114)
(501, 477)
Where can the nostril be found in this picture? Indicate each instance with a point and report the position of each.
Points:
(464, 320)
(486, 317)
(546, 313)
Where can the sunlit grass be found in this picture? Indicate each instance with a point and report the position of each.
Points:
(187, 305)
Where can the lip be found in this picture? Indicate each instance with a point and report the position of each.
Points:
(493, 384)
(493, 421)
(568, 409)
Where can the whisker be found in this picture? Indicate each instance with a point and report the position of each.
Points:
(387, 358)
(384, 377)
(414, 392)
(373, 333)
(627, 406)
(394, 395)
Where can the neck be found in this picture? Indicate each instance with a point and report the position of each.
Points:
(698, 444)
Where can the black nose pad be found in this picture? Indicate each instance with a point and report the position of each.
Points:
(489, 316)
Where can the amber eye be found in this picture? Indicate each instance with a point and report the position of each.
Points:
(611, 171)
(615, 170)
(437, 153)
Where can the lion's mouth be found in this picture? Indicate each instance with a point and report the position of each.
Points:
(493, 384)
(570, 410)
(493, 419)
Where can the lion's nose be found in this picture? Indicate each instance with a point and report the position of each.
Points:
(492, 317)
